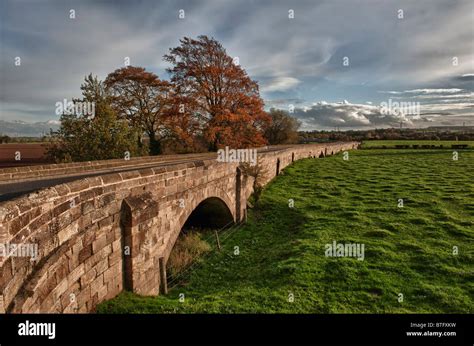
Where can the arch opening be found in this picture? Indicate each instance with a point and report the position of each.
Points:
(197, 237)
(210, 213)
(321, 154)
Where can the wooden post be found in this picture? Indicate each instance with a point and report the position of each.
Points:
(164, 282)
(217, 241)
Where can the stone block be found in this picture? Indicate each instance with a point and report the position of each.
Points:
(87, 207)
(88, 277)
(113, 272)
(78, 185)
(115, 257)
(102, 266)
(76, 274)
(96, 284)
(99, 243)
(85, 253)
(111, 178)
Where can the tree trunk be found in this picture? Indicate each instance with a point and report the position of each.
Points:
(155, 144)
(213, 144)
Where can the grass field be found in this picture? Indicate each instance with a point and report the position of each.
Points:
(408, 250)
(391, 144)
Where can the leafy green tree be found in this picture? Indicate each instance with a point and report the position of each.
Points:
(101, 136)
(283, 129)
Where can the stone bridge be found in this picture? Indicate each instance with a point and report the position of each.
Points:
(98, 235)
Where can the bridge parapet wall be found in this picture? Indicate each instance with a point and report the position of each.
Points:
(281, 159)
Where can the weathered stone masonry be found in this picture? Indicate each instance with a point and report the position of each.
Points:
(83, 227)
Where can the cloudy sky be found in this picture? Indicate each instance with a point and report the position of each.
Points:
(336, 63)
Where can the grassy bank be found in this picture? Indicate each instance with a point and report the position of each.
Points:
(281, 250)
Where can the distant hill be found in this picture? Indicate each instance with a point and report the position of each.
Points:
(20, 128)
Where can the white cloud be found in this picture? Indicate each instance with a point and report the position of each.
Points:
(434, 91)
(280, 84)
(469, 95)
(443, 107)
(346, 115)
(425, 91)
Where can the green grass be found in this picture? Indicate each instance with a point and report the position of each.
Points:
(391, 143)
(408, 250)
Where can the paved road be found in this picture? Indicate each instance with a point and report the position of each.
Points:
(10, 190)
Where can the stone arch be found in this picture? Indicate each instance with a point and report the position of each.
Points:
(321, 154)
(211, 212)
(77, 275)
(33, 288)
(176, 231)
(155, 224)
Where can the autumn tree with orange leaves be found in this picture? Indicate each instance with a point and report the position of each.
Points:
(183, 124)
(144, 100)
(217, 93)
